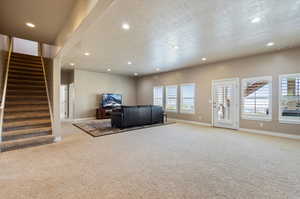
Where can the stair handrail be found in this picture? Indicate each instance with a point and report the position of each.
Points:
(5, 86)
(47, 91)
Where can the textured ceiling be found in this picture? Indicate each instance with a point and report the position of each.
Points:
(215, 29)
(49, 16)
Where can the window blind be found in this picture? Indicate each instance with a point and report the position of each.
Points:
(158, 96)
(257, 96)
(171, 98)
(289, 105)
(187, 102)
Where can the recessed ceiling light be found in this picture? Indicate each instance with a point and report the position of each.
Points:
(175, 47)
(72, 64)
(157, 69)
(129, 63)
(135, 74)
(204, 59)
(125, 26)
(270, 44)
(108, 70)
(87, 54)
(255, 20)
(31, 25)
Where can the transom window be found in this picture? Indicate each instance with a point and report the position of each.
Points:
(289, 98)
(257, 98)
(187, 100)
(171, 98)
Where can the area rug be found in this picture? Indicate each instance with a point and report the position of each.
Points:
(98, 128)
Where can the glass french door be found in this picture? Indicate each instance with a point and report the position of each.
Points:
(226, 103)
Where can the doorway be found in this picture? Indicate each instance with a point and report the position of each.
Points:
(225, 110)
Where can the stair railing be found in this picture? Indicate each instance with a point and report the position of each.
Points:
(5, 86)
(46, 84)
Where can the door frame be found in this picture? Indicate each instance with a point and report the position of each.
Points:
(237, 100)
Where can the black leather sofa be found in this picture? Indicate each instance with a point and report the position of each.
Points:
(129, 116)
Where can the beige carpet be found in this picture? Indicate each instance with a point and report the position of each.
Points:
(169, 162)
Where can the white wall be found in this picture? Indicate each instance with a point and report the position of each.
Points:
(90, 85)
(3, 55)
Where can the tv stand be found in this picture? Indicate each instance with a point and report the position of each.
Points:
(103, 113)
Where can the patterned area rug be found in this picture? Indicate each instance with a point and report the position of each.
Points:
(98, 128)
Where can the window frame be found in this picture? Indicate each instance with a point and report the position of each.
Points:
(285, 119)
(246, 116)
(162, 92)
(166, 98)
(181, 98)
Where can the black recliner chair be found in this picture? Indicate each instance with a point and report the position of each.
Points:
(130, 116)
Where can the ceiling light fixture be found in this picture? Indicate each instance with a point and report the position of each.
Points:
(31, 25)
(175, 47)
(129, 63)
(270, 44)
(135, 74)
(125, 26)
(108, 70)
(204, 59)
(87, 54)
(72, 64)
(255, 20)
(157, 69)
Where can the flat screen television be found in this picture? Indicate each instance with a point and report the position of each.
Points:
(111, 100)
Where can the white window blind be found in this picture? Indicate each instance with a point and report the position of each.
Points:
(171, 98)
(289, 98)
(257, 98)
(187, 102)
(158, 96)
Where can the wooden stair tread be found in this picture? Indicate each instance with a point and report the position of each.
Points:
(13, 80)
(25, 77)
(14, 54)
(26, 142)
(26, 108)
(26, 122)
(26, 91)
(19, 134)
(25, 115)
(29, 73)
(24, 68)
(37, 102)
(25, 64)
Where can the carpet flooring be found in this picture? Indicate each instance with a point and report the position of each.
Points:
(179, 161)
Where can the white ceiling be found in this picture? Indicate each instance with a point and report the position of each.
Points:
(49, 16)
(215, 29)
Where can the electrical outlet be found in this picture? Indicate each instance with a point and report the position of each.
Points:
(261, 124)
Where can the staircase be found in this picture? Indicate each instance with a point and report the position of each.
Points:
(26, 120)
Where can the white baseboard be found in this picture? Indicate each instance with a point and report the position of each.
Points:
(271, 133)
(254, 131)
(58, 139)
(190, 122)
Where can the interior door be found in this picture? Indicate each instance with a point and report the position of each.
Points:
(226, 103)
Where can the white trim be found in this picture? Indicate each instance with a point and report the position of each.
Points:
(237, 99)
(285, 119)
(190, 122)
(271, 133)
(246, 116)
(194, 100)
